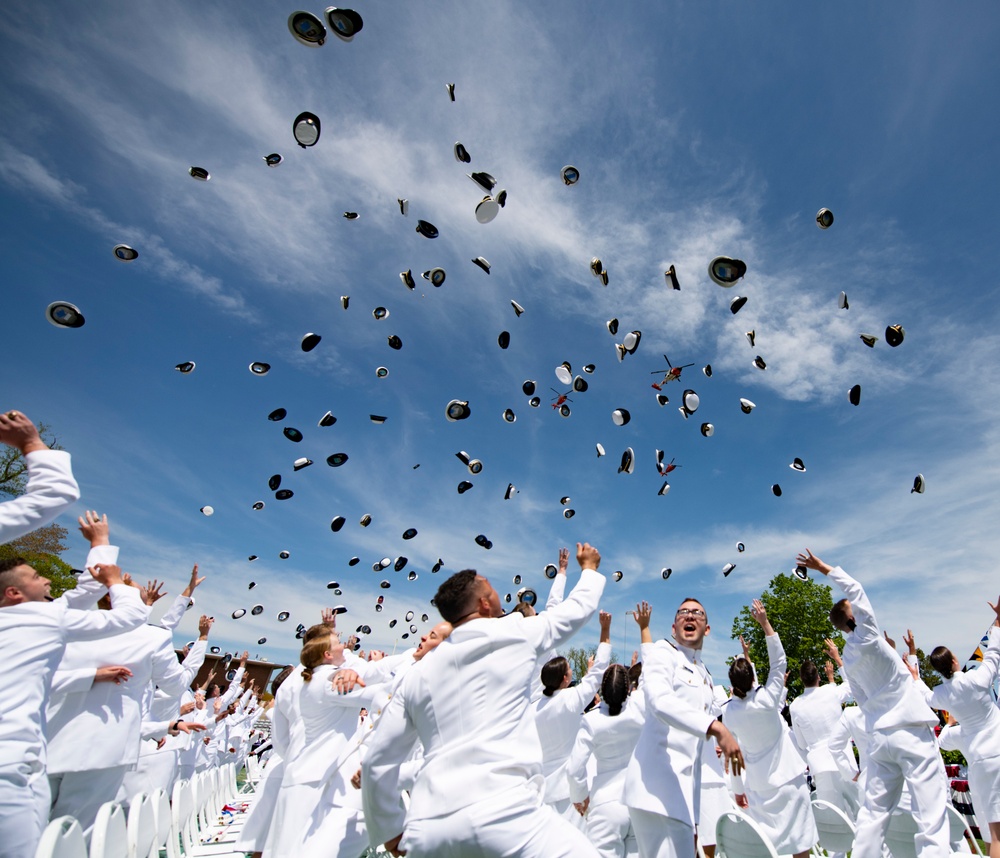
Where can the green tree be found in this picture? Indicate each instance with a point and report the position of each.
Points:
(578, 658)
(799, 611)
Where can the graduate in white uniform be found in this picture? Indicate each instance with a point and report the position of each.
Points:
(50, 489)
(776, 793)
(902, 747)
(557, 716)
(33, 635)
(94, 729)
(608, 735)
(662, 784)
(968, 698)
(816, 715)
(327, 821)
(479, 791)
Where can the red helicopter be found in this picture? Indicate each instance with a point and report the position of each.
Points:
(672, 373)
(667, 468)
(560, 398)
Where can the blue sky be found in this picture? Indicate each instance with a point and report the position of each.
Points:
(699, 130)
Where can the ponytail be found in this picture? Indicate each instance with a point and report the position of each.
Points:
(615, 687)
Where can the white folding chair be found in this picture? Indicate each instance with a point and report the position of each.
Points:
(141, 827)
(738, 836)
(62, 838)
(163, 822)
(182, 835)
(836, 831)
(961, 834)
(109, 836)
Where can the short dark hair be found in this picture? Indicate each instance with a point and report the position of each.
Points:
(281, 677)
(838, 615)
(941, 661)
(7, 566)
(741, 676)
(457, 596)
(808, 673)
(553, 674)
(12, 563)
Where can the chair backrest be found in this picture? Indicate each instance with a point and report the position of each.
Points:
(62, 838)
(141, 827)
(959, 831)
(109, 836)
(161, 814)
(738, 836)
(900, 835)
(836, 831)
(182, 815)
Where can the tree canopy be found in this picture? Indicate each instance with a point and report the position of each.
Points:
(799, 611)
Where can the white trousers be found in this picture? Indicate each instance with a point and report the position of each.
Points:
(841, 793)
(154, 771)
(513, 823)
(659, 836)
(610, 830)
(257, 825)
(907, 755)
(81, 794)
(24, 812)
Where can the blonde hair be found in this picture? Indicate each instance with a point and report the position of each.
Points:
(314, 653)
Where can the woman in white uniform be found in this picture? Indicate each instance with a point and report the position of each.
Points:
(558, 714)
(968, 698)
(318, 812)
(609, 735)
(776, 793)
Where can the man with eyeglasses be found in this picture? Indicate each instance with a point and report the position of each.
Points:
(662, 784)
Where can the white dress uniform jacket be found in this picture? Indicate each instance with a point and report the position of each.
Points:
(770, 754)
(467, 702)
(816, 714)
(99, 726)
(49, 491)
(557, 720)
(664, 775)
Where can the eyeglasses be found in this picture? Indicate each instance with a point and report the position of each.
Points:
(691, 612)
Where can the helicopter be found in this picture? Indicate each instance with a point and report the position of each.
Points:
(667, 468)
(560, 398)
(671, 373)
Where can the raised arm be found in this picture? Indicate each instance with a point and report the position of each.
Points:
(771, 693)
(88, 590)
(175, 613)
(127, 610)
(50, 489)
(557, 591)
(866, 626)
(551, 628)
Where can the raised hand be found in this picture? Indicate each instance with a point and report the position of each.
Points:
(811, 561)
(205, 625)
(759, 613)
(911, 644)
(193, 583)
(587, 556)
(642, 613)
(746, 648)
(107, 573)
(889, 640)
(18, 431)
(996, 610)
(563, 560)
(605, 620)
(151, 593)
(94, 528)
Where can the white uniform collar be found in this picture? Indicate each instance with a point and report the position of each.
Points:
(692, 655)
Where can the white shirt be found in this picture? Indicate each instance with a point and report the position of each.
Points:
(755, 720)
(967, 696)
(882, 685)
(815, 716)
(467, 703)
(33, 636)
(49, 491)
(610, 740)
(557, 720)
(99, 725)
